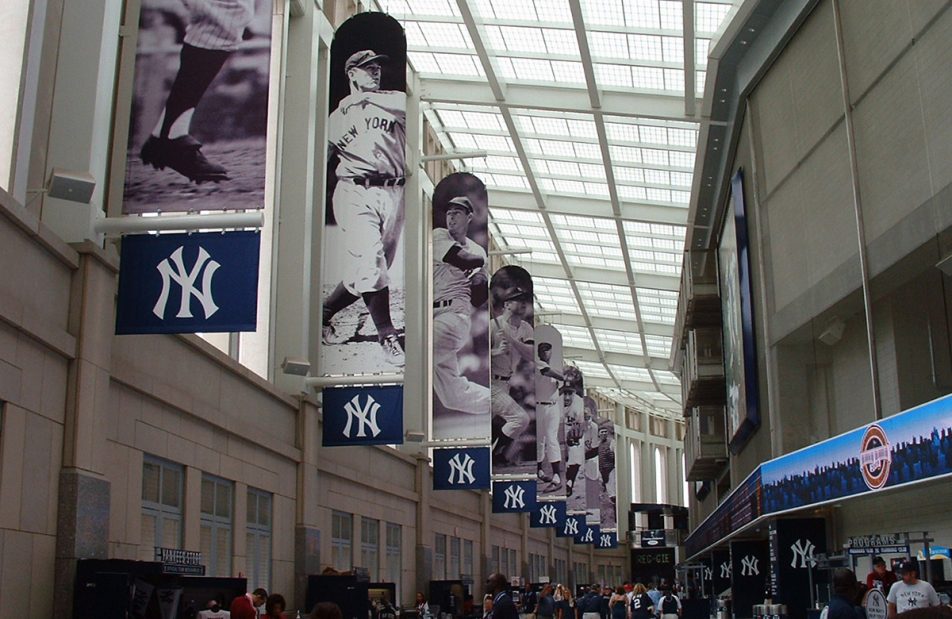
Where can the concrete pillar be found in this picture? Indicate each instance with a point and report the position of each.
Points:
(84, 492)
(424, 525)
(192, 512)
(307, 533)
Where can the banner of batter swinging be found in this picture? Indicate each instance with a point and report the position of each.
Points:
(512, 363)
(363, 278)
(460, 236)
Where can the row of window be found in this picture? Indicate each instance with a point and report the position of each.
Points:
(163, 491)
(342, 547)
(460, 562)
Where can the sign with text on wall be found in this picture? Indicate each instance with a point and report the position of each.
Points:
(363, 416)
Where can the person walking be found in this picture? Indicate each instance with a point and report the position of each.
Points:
(545, 609)
(910, 593)
(641, 606)
(670, 605)
(842, 603)
(503, 606)
(617, 604)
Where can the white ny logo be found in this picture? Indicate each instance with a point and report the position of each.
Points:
(462, 469)
(606, 540)
(547, 515)
(588, 536)
(514, 497)
(748, 566)
(571, 526)
(804, 552)
(725, 570)
(709, 573)
(366, 417)
(175, 271)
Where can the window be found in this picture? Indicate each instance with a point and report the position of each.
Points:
(454, 558)
(394, 555)
(217, 507)
(370, 546)
(537, 567)
(494, 560)
(560, 571)
(509, 564)
(602, 574)
(259, 539)
(660, 477)
(439, 557)
(635, 461)
(581, 575)
(161, 506)
(342, 539)
(467, 558)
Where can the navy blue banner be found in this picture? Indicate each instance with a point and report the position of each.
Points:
(465, 468)
(586, 534)
(363, 416)
(510, 497)
(606, 539)
(547, 515)
(570, 526)
(188, 283)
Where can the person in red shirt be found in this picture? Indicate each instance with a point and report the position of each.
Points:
(880, 577)
(246, 606)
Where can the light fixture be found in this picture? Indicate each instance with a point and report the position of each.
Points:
(295, 367)
(412, 436)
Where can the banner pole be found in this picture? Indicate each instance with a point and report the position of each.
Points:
(318, 382)
(181, 223)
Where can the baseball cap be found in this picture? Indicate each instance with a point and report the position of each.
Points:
(908, 566)
(460, 202)
(514, 294)
(879, 561)
(365, 56)
(566, 389)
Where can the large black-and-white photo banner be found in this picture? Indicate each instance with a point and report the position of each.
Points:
(199, 121)
(574, 431)
(363, 268)
(549, 378)
(512, 357)
(461, 400)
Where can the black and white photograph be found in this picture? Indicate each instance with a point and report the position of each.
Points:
(461, 400)
(572, 417)
(549, 436)
(199, 122)
(512, 355)
(363, 292)
(606, 486)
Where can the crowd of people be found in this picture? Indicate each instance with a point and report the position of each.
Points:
(626, 601)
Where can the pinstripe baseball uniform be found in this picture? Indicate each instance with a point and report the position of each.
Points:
(504, 361)
(547, 415)
(218, 24)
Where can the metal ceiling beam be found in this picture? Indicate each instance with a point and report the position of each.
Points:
(622, 62)
(602, 276)
(564, 138)
(573, 353)
(690, 89)
(554, 97)
(588, 207)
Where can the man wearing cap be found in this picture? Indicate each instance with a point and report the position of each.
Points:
(460, 282)
(880, 578)
(547, 419)
(910, 593)
(367, 132)
(572, 415)
(511, 341)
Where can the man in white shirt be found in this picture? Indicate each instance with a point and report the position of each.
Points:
(910, 593)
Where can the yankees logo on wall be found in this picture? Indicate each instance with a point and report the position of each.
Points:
(510, 497)
(362, 314)
(547, 515)
(188, 283)
(460, 310)
(512, 354)
(199, 120)
(461, 468)
(362, 416)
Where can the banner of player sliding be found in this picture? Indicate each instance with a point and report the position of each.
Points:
(910, 447)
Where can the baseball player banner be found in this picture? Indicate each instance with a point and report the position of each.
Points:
(199, 122)
(510, 497)
(576, 422)
(547, 515)
(188, 283)
(512, 354)
(461, 402)
(362, 416)
(548, 410)
(606, 539)
(362, 314)
(461, 468)
(602, 491)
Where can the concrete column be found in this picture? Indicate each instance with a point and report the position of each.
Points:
(648, 492)
(84, 492)
(424, 526)
(485, 543)
(307, 533)
(192, 513)
(524, 545)
(239, 525)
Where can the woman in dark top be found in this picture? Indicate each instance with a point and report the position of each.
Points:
(617, 604)
(641, 606)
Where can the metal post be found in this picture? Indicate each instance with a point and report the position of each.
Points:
(181, 223)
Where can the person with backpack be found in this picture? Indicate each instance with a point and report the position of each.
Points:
(670, 605)
(640, 606)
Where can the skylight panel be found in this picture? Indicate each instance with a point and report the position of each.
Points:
(674, 79)
(494, 143)
(613, 75)
(458, 64)
(604, 12)
(657, 177)
(596, 189)
(680, 159)
(666, 378)
(582, 128)
(631, 373)
(506, 164)
(564, 186)
(414, 34)
(494, 39)
(545, 184)
(508, 180)
(574, 336)
(557, 41)
(424, 62)
(642, 13)
(682, 137)
(625, 153)
(463, 140)
(587, 151)
(671, 15)
(554, 11)
(551, 126)
(702, 48)
(521, 39)
(484, 120)
(555, 148)
(451, 118)
(645, 47)
(655, 156)
(631, 175)
(483, 8)
(505, 68)
(395, 7)
(708, 16)
(591, 369)
(608, 45)
(591, 171)
(446, 35)
(658, 195)
(440, 8)
(681, 197)
(648, 78)
(658, 345)
(673, 49)
(523, 10)
(531, 69)
(568, 72)
(699, 78)
(621, 132)
(619, 341)
(564, 168)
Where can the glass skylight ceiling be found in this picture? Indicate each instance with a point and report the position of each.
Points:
(563, 154)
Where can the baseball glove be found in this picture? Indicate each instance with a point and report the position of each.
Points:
(574, 435)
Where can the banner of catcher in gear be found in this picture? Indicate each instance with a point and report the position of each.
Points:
(600, 486)
(460, 310)
(512, 354)
(363, 271)
(199, 120)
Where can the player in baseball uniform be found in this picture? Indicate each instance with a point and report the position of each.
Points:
(511, 341)
(214, 30)
(606, 460)
(367, 131)
(572, 417)
(460, 282)
(548, 417)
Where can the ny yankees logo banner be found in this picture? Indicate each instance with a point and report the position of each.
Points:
(461, 468)
(198, 125)
(750, 569)
(187, 283)
(362, 282)
(512, 354)
(460, 265)
(363, 416)
(510, 497)
(794, 546)
(547, 515)
(570, 526)
(720, 571)
(586, 534)
(606, 539)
